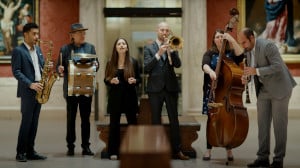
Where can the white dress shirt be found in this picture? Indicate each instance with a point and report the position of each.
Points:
(35, 62)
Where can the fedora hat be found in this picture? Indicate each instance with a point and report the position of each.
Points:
(77, 27)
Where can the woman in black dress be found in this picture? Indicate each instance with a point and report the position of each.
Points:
(121, 76)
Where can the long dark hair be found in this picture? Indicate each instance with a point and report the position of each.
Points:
(112, 65)
(214, 47)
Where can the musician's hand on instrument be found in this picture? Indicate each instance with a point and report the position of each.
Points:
(61, 69)
(50, 64)
(162, 49)
(228, 37)
(249, 71)
(244, 79)
(212, 75)
(115, 80)
(96, 64)
(131, 80)
(36, 86)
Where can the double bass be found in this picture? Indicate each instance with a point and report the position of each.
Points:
(228, 122)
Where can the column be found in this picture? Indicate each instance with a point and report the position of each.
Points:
(194, 33)
(91, 15)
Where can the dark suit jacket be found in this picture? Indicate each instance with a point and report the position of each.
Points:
(123, 97)
(161, 73)
(274, 74)
(23, 70)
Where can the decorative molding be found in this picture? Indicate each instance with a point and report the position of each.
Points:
(142, 12)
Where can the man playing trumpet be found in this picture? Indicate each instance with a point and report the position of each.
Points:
(162, 86)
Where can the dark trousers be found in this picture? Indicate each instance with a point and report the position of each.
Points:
(171, 100)
(114, 129)
(84, 104)
(30, 110)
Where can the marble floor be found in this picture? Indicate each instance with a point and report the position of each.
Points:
(50, 141)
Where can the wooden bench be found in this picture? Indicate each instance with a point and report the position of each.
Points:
(145, 146)
(188, 130)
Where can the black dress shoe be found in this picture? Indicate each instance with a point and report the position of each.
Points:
(35, 156)
(87, 151)
(206, 158)
(181, 156)
(230, 158)
(276, 164)
(259, 163)
(207, 155)
(70, 152)
(113, 157)
(21, 157)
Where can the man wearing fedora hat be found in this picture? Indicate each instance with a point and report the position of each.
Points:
(77, 45)
(77, 27)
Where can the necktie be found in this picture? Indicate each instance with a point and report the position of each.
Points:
(164, 56)
(252, 64)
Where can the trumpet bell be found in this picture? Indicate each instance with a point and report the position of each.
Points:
(176, 42)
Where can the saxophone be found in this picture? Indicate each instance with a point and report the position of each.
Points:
(48, 76)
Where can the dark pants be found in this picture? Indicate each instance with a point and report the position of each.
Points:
(171, 100)
(114, 128)
(30, 110)
(84, 104)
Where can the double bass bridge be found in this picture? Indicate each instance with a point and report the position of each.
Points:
(215, 105)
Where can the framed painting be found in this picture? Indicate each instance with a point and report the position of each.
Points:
(14, 14)
(276, 20)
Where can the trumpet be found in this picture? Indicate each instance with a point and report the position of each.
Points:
(176, 42)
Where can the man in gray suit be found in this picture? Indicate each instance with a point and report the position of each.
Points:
(273, 85)
(162, 83)
(27, 62)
